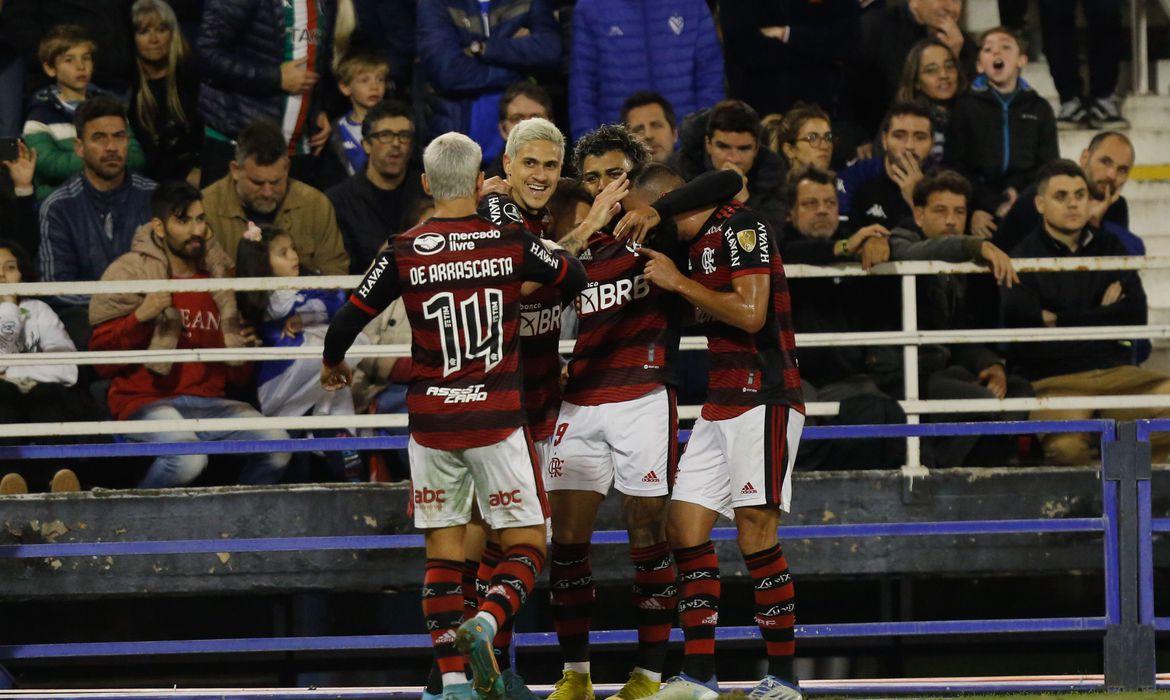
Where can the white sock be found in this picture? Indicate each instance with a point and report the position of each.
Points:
(450, 679)
(656, 677)
(489, 622)
(577, 666)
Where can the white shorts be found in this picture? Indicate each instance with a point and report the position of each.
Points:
(741, 461)
(630, 444)
(504, 476)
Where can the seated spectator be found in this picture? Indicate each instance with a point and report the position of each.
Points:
(906, 138)
(727, 137)
(1001, 132)
(781, 53)
(66, 55)
(372, 204)
(259, 189)
(361, 77)
(36, 393)
(18, 207)
(177, 244)
(805, 138)
(932, 76)
(468, 57)
(1081, 298)
(522, 100)
(621, 47)
(649, 115)
(293, 318)
(164, 109)
(91, 219)
(809, 236)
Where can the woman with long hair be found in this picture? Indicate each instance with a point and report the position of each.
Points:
(931, 75)
(164, 109)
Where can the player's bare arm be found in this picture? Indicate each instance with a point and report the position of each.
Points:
(745, 307)
(606, 205)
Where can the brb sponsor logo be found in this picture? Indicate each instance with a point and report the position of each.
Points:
(468, 394)
(539, 321)
(606, 295)
(504, 499)
(430, 497)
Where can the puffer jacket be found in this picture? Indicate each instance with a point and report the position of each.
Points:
(453, 81)
(240, 47)
(621, 46)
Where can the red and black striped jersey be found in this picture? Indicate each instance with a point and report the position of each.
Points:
(747, 369)
(540, 324)
(460, 282)
(627, 332)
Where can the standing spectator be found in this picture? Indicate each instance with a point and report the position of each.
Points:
(91, 219)
(788, 51)
(906, 138)
(259, 189)
(164, 108)
(1099, 108)
(932, 76)
(251, 70)
(522, 100)
(1001, 132)
(66, 55)
(1081, 298)
(622, 46)
(177, 244)
(727, 137)
(362, 79)
(651, 116)
(374, 203)
(388, 27)
(471, 50)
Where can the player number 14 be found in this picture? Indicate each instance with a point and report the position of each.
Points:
(468, 331)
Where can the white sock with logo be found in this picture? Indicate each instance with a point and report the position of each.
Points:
(577, 666)
(489, 622)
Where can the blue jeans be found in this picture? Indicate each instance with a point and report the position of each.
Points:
(178, 470)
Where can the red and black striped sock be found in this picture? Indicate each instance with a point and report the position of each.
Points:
(775, 609)
(511, 583)
(698, 607)
(442, 602)
(492, 553)
(470, 599)
(573, 591)
(655, 598)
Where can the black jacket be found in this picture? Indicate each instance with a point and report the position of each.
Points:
(999, 142)
(765, 179)
(1023, 219)
(369, 216)
(173, 149)
(878, 201)
(1075, 298)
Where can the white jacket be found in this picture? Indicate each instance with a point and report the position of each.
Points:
(34, 327)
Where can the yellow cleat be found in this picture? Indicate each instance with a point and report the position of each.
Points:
(639, 686)
(572, 686)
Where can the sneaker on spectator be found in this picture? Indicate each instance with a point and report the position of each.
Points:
(65, 481)
(12, 484)
(1072, 114)
(1105, 113)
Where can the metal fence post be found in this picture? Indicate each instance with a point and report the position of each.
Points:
(1129, 644)
(913, 467)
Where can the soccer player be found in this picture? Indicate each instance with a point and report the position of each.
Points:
(739, 460)
(461, 279)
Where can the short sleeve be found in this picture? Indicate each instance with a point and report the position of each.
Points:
(380, 286)
(747, 242)
(541, 264)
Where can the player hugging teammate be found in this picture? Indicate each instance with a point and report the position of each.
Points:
(490, 329)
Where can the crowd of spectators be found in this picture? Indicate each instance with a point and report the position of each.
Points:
(863, 131)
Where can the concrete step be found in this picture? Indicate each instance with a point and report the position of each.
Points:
(1142, 111)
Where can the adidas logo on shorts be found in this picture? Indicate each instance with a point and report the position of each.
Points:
(650, 478)
(747, 489)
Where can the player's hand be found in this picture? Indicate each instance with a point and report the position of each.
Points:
(636, 224)
(854, 242)
(607, 203)
(296, 78)
(874, 250)
(983, 224)
(495, 185)
(293, 325)
(1113, 294)
(1001, 265)
(336, 377)
(661, 270)
(152, 306)
(22, 169)
(320, 138)
(995, 379)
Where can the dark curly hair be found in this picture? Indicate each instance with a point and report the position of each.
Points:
(610, 137)
(252, 261)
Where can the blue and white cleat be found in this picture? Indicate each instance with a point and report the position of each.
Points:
(772, 688)
(683, 687)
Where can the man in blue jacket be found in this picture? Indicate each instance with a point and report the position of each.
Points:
(471, 50)
(622, 46)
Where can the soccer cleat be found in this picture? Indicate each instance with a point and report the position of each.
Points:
(514, 686)
(13, 484)
(639, 686)
(772, 688)
(65, 481)
(683, 687)
(572, 686)
(1072, 114)
(475, 642)
(1105, 113)
(431, 696)
(459, 691)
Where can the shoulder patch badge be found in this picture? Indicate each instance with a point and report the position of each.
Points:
(747, 239)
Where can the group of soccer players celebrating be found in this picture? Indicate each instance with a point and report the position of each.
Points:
(630, 254)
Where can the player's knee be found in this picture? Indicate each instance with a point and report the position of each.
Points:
(645, 519)
(756, 528)
(1067, 449)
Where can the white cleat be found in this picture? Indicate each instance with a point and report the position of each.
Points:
(772, 688)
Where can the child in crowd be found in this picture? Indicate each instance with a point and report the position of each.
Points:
(292, 318)
(362, 78)
(35, 393)
(1001, 132)
(66, 55)
(931, 75)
